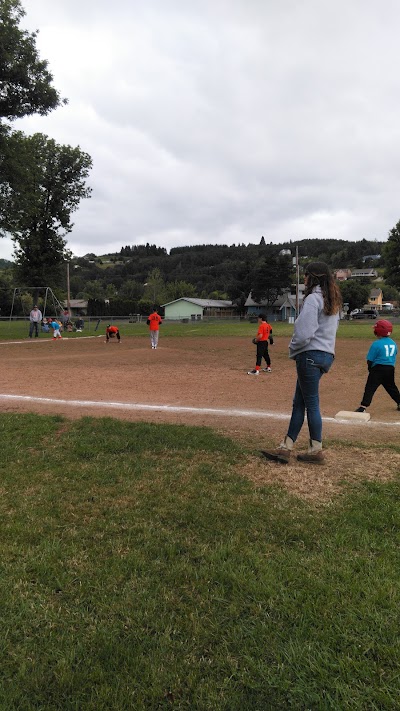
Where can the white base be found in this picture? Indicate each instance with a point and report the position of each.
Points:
(348, 415)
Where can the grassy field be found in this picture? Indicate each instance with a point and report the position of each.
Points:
(347, 329)
(140, 570)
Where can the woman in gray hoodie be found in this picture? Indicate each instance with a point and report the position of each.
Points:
(313, 348)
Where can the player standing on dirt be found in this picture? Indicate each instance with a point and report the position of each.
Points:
(312, 347)
(154, 322)
(55, 325)
(381, 361)
(264, 334)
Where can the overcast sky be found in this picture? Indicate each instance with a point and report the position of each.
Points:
(219, 121)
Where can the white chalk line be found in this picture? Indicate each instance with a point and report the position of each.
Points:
(220, 412)
(48, 340)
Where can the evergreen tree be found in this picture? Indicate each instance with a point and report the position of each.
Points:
(271, 276)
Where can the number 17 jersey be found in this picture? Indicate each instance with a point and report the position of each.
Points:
(382, 352)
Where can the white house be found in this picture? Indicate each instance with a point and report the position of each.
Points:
(196, 309)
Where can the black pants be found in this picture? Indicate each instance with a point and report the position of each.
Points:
(117, 334)
(262, 352)
(380, 375)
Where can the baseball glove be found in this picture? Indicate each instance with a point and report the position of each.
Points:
(254, 340)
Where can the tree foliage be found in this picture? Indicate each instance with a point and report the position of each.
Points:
(42, 184)
(178, 289)
(25, 81)
(390, 293)
(354, 293)
(271, 277)
(392, 257)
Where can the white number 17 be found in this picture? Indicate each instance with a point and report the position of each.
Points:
(389, 350)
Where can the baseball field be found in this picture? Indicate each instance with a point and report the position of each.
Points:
(150, 559)
(198, 375)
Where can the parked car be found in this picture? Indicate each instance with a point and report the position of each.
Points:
(355, 311)
(365, 313)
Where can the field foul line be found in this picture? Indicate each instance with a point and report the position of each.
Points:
(48, 340)
(221, 412)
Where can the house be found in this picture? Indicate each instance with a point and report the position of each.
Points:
(197, 309)
(375, 298)
(362, 273)
(78, 307)
(288, 308)
(283, 309)
(342, 274)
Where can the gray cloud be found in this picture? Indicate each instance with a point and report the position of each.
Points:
(217, 121)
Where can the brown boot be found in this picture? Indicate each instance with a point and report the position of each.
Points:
(281, 454)
(314, 455)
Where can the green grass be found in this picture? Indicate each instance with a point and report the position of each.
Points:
(140, 570)
(347, 329)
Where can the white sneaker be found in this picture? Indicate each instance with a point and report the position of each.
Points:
(253, 372)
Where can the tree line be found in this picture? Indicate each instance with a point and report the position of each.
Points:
(133, 279)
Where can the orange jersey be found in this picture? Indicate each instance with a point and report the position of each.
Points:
(264, 331)
(112, 329)
(155, 321)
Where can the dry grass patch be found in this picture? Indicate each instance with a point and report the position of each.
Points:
(321, 483)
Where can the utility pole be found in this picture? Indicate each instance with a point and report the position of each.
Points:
(297, 283)
(68, 293)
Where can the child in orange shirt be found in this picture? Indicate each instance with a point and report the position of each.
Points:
(111, 332)
(154, 321)
(264, 334)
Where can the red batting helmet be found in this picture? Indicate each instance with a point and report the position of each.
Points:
(383, 328)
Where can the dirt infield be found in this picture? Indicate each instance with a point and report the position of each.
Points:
(208, 377)
(185, 372)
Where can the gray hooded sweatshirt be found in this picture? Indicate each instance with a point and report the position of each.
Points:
(313, 329)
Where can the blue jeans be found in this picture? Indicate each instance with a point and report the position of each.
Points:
(310, 365)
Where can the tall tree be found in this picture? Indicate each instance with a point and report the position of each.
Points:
(25, 81)
(354, 293)
(391, 252)
(155, 287)
(42, 184)
(271, 277)
(178, 289)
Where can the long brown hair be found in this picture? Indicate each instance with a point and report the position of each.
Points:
(319, 274)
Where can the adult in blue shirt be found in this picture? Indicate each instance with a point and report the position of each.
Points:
(381, 361)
